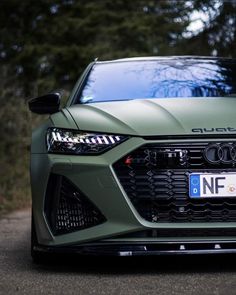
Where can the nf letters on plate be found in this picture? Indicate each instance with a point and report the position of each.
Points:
(212, 185)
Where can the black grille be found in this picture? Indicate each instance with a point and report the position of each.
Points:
(155, 178)
(67, 209)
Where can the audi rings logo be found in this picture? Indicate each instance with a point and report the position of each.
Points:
(224, 153)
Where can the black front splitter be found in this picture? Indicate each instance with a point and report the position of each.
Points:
(135, 249)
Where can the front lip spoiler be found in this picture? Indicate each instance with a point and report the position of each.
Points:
(142, 249)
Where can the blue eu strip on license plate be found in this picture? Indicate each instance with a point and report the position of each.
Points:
(206, 185)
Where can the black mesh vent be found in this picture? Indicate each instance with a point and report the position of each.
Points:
(67, 209)
(155, 177)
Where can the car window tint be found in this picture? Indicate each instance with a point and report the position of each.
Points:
(129, 80)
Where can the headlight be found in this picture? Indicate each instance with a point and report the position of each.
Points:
(81, 143)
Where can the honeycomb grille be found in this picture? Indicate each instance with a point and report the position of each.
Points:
(156, 179)
(69, 210)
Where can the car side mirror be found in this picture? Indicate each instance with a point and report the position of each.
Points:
(46, 104)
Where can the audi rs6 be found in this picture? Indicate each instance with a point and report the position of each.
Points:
(140, 161)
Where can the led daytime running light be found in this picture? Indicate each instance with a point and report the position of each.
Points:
(80, 143)
(87, 138)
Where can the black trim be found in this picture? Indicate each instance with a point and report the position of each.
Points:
(189, 136)
(182, 233)
(142, 249)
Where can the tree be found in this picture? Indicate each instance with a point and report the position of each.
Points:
(218, 34)
(48, 43)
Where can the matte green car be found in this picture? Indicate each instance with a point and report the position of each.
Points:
(141, 161)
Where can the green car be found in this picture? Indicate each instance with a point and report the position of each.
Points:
(141, 161)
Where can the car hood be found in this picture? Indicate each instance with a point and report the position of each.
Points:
(153, 117)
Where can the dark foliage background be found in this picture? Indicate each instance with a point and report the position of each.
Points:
(46, 44)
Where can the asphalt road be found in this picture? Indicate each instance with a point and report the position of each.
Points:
(125, 275)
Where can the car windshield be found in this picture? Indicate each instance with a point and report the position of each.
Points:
(164, 78)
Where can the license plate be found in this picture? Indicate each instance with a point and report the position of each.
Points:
(212, 185)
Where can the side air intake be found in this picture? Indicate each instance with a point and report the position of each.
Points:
(67, 209)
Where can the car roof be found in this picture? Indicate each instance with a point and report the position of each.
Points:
(162, 58)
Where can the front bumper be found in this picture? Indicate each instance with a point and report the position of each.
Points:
(95, 177)
(161, 248)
